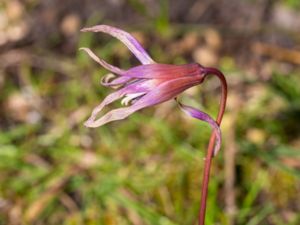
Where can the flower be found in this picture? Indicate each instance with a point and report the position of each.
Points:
(146, 85)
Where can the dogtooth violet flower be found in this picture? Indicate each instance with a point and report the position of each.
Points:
(145, 85)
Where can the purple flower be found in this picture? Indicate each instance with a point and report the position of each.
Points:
(146, 85)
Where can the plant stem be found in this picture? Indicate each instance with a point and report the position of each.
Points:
(210, 149)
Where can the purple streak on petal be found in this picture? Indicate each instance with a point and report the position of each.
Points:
(164, 71)
(103, 63)
(117, 81)
(132, 44)
(204, 117)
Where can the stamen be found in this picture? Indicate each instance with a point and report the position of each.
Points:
(129, 97)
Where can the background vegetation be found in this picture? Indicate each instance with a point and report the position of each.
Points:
(147, 169)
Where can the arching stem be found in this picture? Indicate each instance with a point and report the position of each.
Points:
(210, 148)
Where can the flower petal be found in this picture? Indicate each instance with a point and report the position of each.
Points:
(137, 87)
(195, 113)
(116, 114)
(109, 99)
(167, 90)
(163, 92)
(117, 81)
(102, 62)
(164, 71)
(132, 44)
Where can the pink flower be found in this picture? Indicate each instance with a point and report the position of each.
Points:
(146, 85)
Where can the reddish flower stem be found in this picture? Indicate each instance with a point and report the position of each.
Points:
(210, 148)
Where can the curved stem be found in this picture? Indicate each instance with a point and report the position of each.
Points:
(210, 148)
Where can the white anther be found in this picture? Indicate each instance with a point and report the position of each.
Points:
(129, 97)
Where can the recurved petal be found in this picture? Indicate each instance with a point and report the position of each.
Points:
(132, 44)
(195, 113)
(102, 62)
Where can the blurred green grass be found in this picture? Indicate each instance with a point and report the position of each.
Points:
(146, 169)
